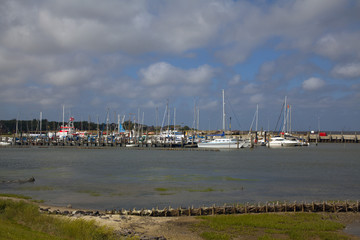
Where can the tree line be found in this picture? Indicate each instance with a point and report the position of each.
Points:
(35, 126)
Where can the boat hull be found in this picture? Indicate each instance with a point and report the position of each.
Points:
(221, 145)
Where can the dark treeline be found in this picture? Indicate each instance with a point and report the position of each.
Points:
(34, 126)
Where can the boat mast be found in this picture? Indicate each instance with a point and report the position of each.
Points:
(174, 118)
(40, 122)
(223, 120)
(156, 119)
(198, 118)
(284, 126)
(63, 122)
(118, 122)
(257, 116)
(107, 122)
(290, 127)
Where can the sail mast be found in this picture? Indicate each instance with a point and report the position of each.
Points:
(223, 120)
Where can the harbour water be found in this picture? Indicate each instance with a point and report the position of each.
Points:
(115, 178)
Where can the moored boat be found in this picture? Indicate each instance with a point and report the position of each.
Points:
(223, 143)
(279, 141)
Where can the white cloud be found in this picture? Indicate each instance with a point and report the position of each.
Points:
(164, 73)
(350, 70)
(257, 98)
(68, 77)
(250, 88)
(235, 80)
(313, 83)
(339, 45)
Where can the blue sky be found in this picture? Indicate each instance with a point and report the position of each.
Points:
(134, 56)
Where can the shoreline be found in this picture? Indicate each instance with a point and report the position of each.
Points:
(167, 227)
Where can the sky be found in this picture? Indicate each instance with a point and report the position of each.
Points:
(130, 57)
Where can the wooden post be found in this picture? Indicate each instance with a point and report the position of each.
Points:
(266, 207)
(302, 207)
(346, 206)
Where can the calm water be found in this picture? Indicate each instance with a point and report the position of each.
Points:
(119, 178)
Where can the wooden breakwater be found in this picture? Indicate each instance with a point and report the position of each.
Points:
(246, 208)
(330, 207)
(284, 207)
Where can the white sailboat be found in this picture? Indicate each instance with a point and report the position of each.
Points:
(286, 140)
(223, 143)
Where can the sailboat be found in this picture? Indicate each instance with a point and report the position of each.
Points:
(286, 140)
(223, 143)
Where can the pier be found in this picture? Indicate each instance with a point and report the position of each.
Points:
(334, 138)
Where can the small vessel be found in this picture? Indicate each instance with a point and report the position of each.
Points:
(224, 143)
(4, 143)
(132, 145)
(279, 141)
(67, 130)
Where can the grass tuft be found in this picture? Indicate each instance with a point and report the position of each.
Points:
(202, 190)
(159, 189)
(21, 220)
(14, 196)
(91, 193)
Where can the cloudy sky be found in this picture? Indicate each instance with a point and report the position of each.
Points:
(133, 56)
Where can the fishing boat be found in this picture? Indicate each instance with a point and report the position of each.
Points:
(67, 130)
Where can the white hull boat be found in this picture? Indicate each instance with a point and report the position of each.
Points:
(276, 142)
(223, 143)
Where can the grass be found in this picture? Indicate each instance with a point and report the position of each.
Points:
(91, 193)
(14, 196)
(269, 226)
(159, 189)
(195, 177)
(37, 188)
(202, 190)
(21, 220)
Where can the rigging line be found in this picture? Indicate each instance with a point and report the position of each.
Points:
(236, 118)
(282, 108)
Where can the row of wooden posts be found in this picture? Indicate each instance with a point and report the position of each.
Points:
(242, 209)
